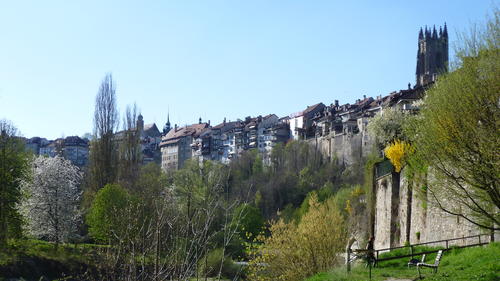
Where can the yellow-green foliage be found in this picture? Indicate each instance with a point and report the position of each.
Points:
(296, 251)
(397, 152)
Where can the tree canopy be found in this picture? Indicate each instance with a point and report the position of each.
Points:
(13, 169)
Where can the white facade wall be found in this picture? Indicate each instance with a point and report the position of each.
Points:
(296, 122)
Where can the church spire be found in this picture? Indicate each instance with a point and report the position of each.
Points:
(167, 126)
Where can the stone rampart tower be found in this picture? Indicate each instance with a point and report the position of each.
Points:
(432, 56)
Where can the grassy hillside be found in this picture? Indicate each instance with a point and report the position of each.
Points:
(479, 263)
(32, 259)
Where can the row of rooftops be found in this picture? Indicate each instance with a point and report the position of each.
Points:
(204, 129)
(365, 107)
(68, 141)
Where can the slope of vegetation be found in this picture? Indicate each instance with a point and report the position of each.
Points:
(32, 259)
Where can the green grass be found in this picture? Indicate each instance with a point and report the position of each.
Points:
(478, 263)
(36, 248)
(34, 258)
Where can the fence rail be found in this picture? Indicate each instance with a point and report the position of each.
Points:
(446, 244)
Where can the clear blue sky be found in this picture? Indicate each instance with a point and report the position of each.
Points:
(212, 59)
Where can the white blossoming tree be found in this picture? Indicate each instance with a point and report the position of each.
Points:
(53, 196)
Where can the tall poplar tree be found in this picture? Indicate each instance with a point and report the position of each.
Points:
(103, 148)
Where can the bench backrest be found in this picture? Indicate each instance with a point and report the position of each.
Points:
(438, 257)
(423, 258)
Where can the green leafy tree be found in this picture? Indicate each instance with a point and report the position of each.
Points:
(458, 132)
(249, 220)
(106, 213)
(13, 169)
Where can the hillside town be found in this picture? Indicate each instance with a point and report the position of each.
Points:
(334, 127)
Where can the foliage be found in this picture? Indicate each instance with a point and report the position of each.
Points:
(296, 169)
(13, 169)
(53, 198)
(352, 205)
(388, 126)
(295, 251)
(32, 259)
(103, 153)
(397, 152)
(151, 182)
(103, 218)
(249, 220)
(215, 261)
(458, 133)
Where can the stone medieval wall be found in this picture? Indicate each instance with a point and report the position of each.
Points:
(346, 148)
(401, 212)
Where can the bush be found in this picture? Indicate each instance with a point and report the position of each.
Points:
(104, 215)
(210, 265)
(294, 251)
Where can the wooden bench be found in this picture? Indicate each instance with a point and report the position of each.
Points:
(433, 266)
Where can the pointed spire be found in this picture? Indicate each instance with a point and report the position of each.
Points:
(167, 127)
(445, 31)
(421, 34)
(427, 33)
(434, 32)
(440, 31)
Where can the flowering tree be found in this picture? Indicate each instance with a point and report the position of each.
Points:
(53, 197)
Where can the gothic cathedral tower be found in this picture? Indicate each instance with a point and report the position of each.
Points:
(432, 56)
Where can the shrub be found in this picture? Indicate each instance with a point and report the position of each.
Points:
(295, 251)
(210, 265)
(104, 215)
(397, 152)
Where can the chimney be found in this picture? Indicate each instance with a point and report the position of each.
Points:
(199, 121)
(364, 97)
(175, 128)
(409, 86)
(224, 122)
(208, 122)
(336, 103)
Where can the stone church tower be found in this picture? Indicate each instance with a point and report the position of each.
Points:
(432, 56)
